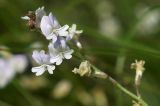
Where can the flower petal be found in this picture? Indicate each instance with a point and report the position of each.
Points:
(54, 22)
(63, 44)
(58, 59)
(52, 51)
(68, 55)
(41, 57)
(54, 38)
(36, 57)
(63, 30)
(25, 18)
(46, 26)
(38, 70)
(50, 68)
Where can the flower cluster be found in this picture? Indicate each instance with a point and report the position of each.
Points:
(58, 37)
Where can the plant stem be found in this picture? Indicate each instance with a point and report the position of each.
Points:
(115, 83)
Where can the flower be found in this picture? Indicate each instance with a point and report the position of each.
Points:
(18, 62)
(59, 50)
(6, 72)
(139, 67)
(74, 34)
(44, 60)
(10, 65)
(51, 28)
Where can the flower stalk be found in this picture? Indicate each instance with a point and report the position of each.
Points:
(119, 86)
(88, 69)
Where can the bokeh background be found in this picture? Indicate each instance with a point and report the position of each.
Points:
(116, 32)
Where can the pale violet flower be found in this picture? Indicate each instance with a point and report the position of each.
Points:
(44, 61)
(6, 72)
(51, 28)
(10, 65)
(59, 51)
(18, 62)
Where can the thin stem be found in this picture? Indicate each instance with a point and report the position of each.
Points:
(137, 85)
(127, 91)
(115, 83)
(137, 91)
(99, 74)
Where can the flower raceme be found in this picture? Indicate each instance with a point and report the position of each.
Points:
(58, 37)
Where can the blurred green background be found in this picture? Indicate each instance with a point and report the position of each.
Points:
(116, 32)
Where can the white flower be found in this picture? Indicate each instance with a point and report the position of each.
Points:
(73, 31)
(6, 72)
(44, 60)
(139, 67)
(51, 28)
(74, 34)
(59, 50)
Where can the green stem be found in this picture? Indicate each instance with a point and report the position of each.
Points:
(127, 91)
(119, 86)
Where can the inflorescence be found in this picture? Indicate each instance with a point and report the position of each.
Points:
(58, 37)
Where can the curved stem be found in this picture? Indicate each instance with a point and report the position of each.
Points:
(119, 86)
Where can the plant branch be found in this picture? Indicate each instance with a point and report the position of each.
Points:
(118, 85)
